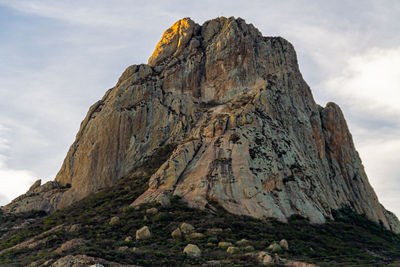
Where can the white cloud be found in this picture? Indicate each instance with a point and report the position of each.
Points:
(13, 182)
(370, 83)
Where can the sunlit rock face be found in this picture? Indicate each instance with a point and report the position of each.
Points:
(249, 135)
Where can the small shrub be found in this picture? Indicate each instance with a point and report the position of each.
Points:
(234, 138)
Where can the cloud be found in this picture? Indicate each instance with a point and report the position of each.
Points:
(370, 83)
(13, 182)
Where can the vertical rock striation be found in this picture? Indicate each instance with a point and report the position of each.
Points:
(249, 134)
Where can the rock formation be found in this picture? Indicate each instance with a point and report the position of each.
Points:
(247, 131)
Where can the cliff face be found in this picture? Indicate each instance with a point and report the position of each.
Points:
(248, 133)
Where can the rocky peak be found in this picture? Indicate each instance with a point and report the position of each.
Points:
(244, 126)
(173, 41)
(220, 59)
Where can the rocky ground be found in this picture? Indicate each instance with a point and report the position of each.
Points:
(104, 229)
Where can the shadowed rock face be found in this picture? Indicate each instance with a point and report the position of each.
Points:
(248, 133)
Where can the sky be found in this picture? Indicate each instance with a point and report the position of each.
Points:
(59, 57)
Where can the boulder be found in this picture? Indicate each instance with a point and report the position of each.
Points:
(192, 251)
(186, 228)
(264, 257)
(143, 233)
(267, 259)
(176, 234)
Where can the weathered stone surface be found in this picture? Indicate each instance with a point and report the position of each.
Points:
(263, 257)
(267, 259)
(35, 185)
(176, 234)
(143, 233)
(249, 134)
(173, 41)
(39, 197)
(186, 228)
(192, 251)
